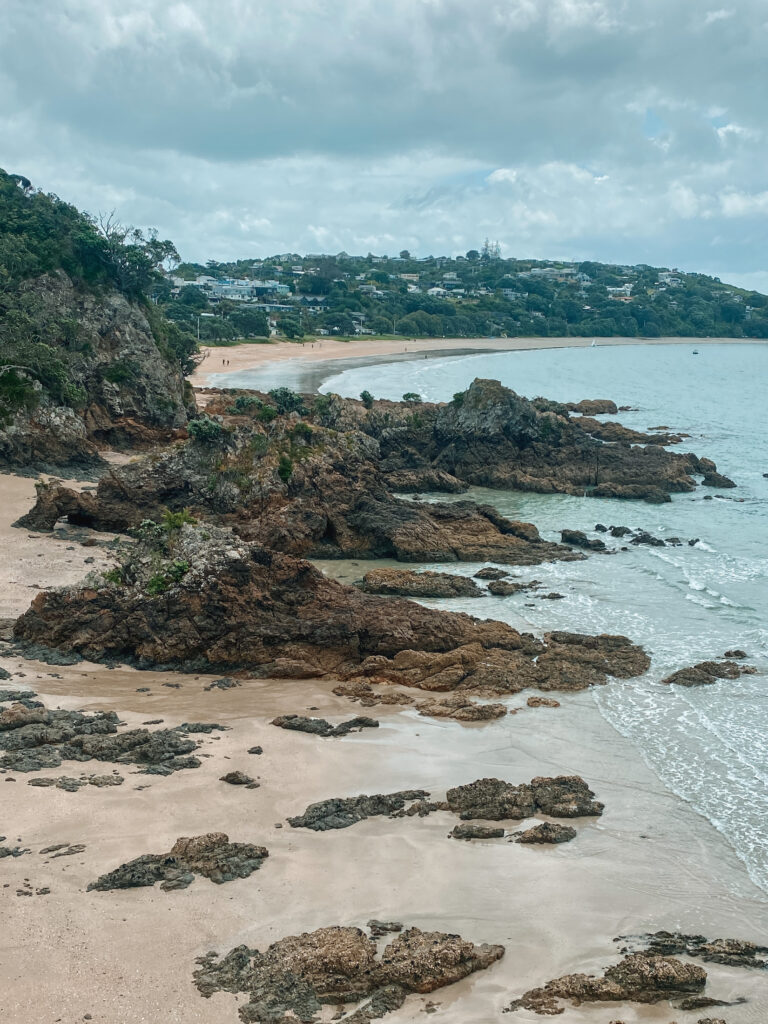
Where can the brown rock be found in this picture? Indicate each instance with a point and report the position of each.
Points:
(542, 702)
(546, 832)
(408, 583)
(706, 673)
(566, 796)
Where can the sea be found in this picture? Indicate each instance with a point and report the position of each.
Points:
(684, 603)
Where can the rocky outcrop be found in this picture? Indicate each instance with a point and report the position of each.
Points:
(207, 601)
(506, 588)
(708, 672)
(320, 727)
(731, 952)
(298, 975)
(637, 978)
(210, 855)
(617, 433)
(566, 796)
(546, 832)
(408, 583)
(129, 392)
(341, 812)
(35, 738)
(593, 407)
(461, 709)
(579, 539)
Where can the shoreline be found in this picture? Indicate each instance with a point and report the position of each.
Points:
(310, 360)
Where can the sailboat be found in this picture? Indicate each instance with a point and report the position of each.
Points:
(594, 343)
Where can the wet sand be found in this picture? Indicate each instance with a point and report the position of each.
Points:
(127, 956)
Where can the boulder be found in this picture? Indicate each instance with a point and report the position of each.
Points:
(408, 583)
(566, 796)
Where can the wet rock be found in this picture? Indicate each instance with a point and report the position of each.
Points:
(204, 727)
(341, 812)
(731, 952)
(320, 727)
(638, 978)
(735, 653)
(706, 673)
(643, 537)
(551, 596)
(460, 708)
(566, 796)
(210, 855)
(593, 407)
(12, 851)
(579, 539)
(239, 778)
(490, 573)
(296, 976)
(255, 750)
(224, 683)
(714, 479)
(542, 702)
(504, 588)
(379, 928)
(476, 832)
(409, 583)
(546, 832)
(619, 531)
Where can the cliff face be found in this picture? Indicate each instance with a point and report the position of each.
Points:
(128, 392)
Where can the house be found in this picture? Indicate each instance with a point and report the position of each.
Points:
(436, 291)
(623, 291)
(408, 277)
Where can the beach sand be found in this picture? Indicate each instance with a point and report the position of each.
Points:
(126, 957)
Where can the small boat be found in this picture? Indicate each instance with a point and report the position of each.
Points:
(695, 351)
(594, 343)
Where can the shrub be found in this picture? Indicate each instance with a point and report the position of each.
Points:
(114, 575)
(205, 430)
(245, 405)
(367, 399)
(119, 371)
(267, 413)
(411, 396)
(302, 432)
(458, 399)
(285, 468)
(287, 400)
(173, 521)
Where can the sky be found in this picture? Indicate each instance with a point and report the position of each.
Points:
(628, 131)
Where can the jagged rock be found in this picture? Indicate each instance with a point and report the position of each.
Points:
(461, 708)
(476, 832)
(638, 978)
(424, 479)
(490, 573)
(320, 727)
(504, 588)
(707, 672)
(211, 855)
(731, 952)
(236, 605)
(566, 796)
(713, 479)
(238, 778)
(643, 537)
(341, 812)
(616, 433)
(546, 832)
(542, 702)
(379, 928)
(579, 539)
(408, 583)
(35, 738)
(299, 974)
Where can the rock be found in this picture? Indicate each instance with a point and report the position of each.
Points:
(580, 540)
(593, 407)
(408, 583)
(12, 851)
(731, 952)
(341, 812)
(490, 573)
(638, 978)
(713, 479)
(546, 832)
(643, 537)
(320, 727)
(297, 975)
(503, 588)
(223, 684)
(706, 673)
(551, 596)
(542, 702)
(255, 750)
(279, 617)
(239, 778)
(619, 531)
(566, 796)
(210, 855)
(735, 653)
(476, 832)
(461, 708)
(379, 928)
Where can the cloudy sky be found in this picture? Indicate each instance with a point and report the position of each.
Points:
(621, 130)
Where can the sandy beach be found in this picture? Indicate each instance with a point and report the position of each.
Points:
(231, 359)
(127, 956)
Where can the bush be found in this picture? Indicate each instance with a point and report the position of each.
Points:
(458, 399)
(162, 581)
(245, 405)
(411, 396)
(367, 399)
(287, 400)
(173, 521)
(285, 468)
(205, 430)
(114, 576)
(302, 432)
(267, 413)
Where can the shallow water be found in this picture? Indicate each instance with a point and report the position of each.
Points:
(684, 604)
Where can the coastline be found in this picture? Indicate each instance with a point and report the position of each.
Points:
(311, 358)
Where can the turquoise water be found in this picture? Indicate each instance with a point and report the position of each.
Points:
(684, 604)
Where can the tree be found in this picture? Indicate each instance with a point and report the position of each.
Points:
(291, 328)
(367, 399)
(135, 259)
(252, 323)
(473, 255)
(404, 254)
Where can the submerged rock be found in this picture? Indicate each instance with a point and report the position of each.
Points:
(341, 812)
(638, 978)
(565, 796)
(210, 855)
(707, 672)
(320, 727)
(409, 583)
(296, 976)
